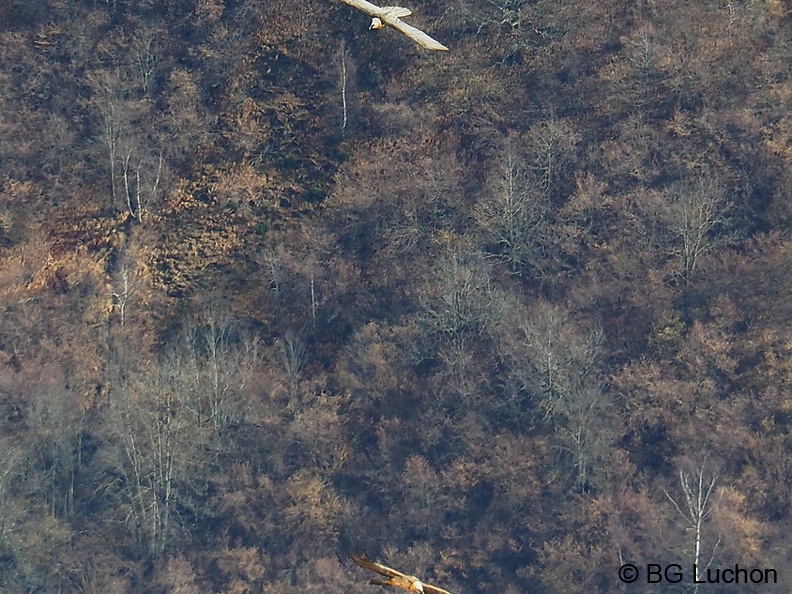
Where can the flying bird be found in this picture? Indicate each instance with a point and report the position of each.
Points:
(391, 15)
(397, 579)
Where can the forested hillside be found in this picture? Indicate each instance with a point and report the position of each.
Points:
(275, 288)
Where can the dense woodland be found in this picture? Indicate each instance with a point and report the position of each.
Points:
(276, 288)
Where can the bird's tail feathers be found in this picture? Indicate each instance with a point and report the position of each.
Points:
(376, 582)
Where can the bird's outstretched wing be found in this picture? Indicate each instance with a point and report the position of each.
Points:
(367, 7)
(378, 567)
(390, 572)
(390, 16)
(416, 35)
(430, 589)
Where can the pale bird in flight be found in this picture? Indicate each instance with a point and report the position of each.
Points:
(390, 15)
(396, 579)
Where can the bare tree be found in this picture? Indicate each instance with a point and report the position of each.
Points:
(514, 18)
(513, 215)
(126, 284)
(582, 432)
(224, 370)
(112, 123)
(141, 184)
(464, 304)
(55, 424)
(153, 448)
(146, 56)
(135, 161)
(270, 260)
(210, 364)
(643, 56)
(696, 210)
(345, 66)
(696, 506)
(562, 359)
(551, 144)
(9, 465)
(557, 361)
(293, 358)
(421, 491)
(461, 309)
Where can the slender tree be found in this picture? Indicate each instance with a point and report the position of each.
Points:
(699, 499)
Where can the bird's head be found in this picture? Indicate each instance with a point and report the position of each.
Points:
(376, 24)
(417, 586)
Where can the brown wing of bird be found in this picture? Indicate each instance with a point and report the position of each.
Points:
(378, 567)
(405, 583)
(397, 578)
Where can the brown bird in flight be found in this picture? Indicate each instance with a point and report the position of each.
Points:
(396, 579)
(390, 15)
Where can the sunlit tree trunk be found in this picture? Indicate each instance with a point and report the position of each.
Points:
(695, 507)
